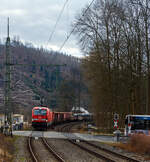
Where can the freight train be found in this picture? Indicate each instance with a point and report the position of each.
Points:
(43, 117)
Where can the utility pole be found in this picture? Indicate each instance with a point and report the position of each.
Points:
(7, 94)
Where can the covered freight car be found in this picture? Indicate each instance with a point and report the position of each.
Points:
(60, 117)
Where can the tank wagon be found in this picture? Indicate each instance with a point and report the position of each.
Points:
(43, 117)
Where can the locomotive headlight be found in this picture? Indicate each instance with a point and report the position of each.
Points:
(34, 119)
(44, 119)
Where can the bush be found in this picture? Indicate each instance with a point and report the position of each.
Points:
(138, 143)
(6, 148)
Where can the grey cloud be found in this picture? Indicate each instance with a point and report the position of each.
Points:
(34, 20)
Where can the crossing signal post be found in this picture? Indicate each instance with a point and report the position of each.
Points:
(117, 132)
(116, 118)
(115, 123)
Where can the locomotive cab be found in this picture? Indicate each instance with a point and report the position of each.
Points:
(41, 117)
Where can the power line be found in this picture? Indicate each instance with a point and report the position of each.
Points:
(57, 22)
(75, 26)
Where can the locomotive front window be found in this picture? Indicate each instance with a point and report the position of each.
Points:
(39, 112)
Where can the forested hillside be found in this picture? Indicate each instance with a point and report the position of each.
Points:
(114, 35)
(37, 74)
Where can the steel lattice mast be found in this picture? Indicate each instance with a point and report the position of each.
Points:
(7, 97)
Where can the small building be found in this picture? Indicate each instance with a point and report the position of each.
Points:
(18, 118)
(17, 121)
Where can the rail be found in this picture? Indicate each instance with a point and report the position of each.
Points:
(111, 152)
(34, 158)
(59, 158)
(92, 152)
(68, 127)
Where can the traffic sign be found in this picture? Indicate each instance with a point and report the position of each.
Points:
(115, 123)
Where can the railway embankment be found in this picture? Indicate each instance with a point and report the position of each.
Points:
(136, 148)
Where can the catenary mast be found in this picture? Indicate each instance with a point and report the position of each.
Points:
(7, 95)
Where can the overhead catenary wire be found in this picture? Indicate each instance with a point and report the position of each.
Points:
(51, 35)
(75, 26)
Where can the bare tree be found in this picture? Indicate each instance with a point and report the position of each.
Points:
(115, 37)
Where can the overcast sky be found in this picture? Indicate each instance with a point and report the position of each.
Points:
(34, 20)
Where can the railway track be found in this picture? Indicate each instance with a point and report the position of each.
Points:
(32, 153)
(66, 127)
(100, 156)
(94, 149)
(52, 150)
(111, 152)
(36, 156)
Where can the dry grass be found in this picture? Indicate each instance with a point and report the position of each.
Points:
(138, 143)
(6, 148)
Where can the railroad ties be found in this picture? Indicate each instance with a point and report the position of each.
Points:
(105, 154)
(52, 150)
(30, 147)
(37, 155)
(89, 148)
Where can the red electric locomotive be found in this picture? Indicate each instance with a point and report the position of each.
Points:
(42, 117)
